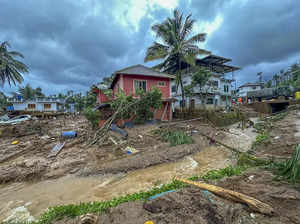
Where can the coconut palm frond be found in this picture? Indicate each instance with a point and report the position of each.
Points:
(156, 51)
(10, 68)
(200, 37)
(187, 27)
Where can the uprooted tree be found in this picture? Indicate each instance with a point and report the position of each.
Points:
(140, 107)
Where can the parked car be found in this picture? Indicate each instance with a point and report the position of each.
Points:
(17, 119)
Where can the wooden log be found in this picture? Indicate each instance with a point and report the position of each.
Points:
(253, 203)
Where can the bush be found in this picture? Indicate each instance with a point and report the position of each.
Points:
(291, 168)
(141, 107)
(260, 139)
(93, 116)
(174, 137)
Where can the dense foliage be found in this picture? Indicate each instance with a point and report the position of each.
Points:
(93, 116)
(141, 106)
(200, 80)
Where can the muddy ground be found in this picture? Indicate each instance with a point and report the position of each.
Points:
(30, 159)
(192, 205)
(111, 172)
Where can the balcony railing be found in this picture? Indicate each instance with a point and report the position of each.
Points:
(38, 100)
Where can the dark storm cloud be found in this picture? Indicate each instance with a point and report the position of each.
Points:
(258, 32)
(204, 10)
(67, 45)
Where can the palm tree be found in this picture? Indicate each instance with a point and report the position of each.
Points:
(10, 68)
(276, 79)
(176, 46)
(259, 75)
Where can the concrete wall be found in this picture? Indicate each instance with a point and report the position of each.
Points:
(243, 90)
(217, 93)
(38, 106)
(128, 84)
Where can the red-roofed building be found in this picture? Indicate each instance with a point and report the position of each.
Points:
(141, 77)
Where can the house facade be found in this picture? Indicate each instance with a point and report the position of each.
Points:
(247, 87)
(217, 93)
(140, 77)
(38, 104)
(218, 90)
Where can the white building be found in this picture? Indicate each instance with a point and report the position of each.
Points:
(243, 89)
(217, 91)
(39, 104)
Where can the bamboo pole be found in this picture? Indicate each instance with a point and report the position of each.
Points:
(253, 203)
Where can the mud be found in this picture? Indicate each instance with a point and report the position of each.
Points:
(284, 136)
(192, 205)
(27, 173)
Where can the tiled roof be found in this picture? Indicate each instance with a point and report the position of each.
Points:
(143, 70)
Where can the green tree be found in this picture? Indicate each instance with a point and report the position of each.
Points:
(200, 79)
(276, 79)
(61, 96)
(27, 92)
(269, 84)
(175, 46)
(90, 99)
(10, 68)
(3, 100)
(39, 92)
(259, 75)
(295, 71)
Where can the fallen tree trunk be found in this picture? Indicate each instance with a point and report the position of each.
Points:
(253, 203)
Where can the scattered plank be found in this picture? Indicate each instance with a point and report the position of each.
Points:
(56, 149)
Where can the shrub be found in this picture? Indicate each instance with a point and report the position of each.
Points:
(291, 168)
(261, 139)
(93, 116)
(174, 137)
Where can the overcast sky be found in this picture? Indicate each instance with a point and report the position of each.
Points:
(72, 44)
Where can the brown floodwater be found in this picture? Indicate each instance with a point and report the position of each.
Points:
(28, 200)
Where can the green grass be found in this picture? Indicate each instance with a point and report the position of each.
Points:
(226, 172)
(260, 139)
(174, 137)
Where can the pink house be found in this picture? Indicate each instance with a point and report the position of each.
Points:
(141, 77)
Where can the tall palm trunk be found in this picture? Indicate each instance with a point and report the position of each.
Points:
(181, 84)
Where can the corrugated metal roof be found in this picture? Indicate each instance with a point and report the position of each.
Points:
(251, 84)
(143, 70)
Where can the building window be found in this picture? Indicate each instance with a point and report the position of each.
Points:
(162, 83)
(139, 85)
(173, 89)
(47, 106)
(253, 87)
(214, 83)
(226, 89)
(210, 101)
(31, 106)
